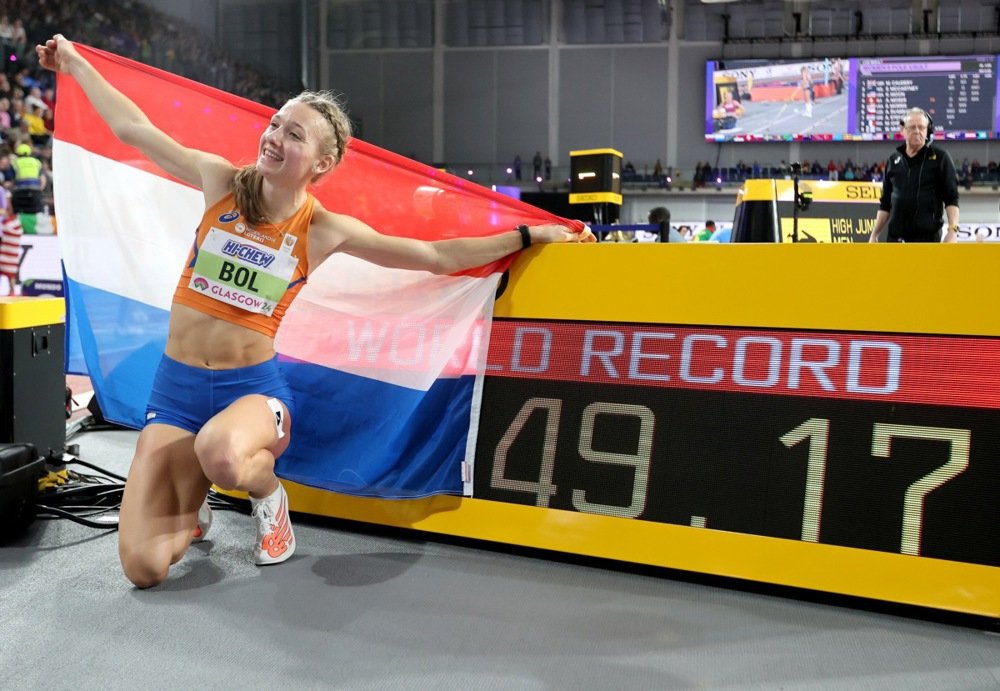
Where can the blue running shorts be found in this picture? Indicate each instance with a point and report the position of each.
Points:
(186, 397)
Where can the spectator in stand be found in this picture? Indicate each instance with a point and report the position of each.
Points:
(6, 170)
(6, 36)
(20, 132)
(5, 121)
(37, 130)
(832, 171)
(34, 98)
(115, 26)
(49, 98)
(10, 244)
(25, 79)
(706, 233)
(660, 215)
(29, 179)
(19, 39)
(16, 110)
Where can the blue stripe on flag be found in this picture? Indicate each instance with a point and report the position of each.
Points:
(363, 437)
(122, 341)
(350, 434)
(75, 362)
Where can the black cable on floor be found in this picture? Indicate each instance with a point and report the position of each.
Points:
(108, 473)
(78, 497)
(45, 511)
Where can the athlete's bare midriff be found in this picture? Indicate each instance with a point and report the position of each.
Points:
(200, 340)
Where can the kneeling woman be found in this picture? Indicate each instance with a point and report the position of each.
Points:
(219, 411)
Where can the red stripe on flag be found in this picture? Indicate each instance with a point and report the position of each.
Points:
(198, 116)
(393, 194)
(948, 370)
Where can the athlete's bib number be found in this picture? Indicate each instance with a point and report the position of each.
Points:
(241, 272)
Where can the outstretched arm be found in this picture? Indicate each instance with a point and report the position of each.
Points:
(128, 122)
(340, 233)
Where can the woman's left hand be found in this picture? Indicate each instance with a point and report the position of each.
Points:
(552, 232)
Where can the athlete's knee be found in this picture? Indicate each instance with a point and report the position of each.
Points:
(219, 452)
(143, 569)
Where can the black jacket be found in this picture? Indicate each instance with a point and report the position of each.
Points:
(915, 192)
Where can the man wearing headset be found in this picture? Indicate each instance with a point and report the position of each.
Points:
(920, 181)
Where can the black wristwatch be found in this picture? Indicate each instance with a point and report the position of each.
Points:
(525, 236)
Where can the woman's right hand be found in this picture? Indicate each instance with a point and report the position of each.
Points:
(57, 54)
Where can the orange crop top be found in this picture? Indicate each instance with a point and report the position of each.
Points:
(243, 274)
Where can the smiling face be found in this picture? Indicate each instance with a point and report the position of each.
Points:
(293, 145)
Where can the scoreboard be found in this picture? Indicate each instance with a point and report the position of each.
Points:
(845, 98)
(960, 92)
(822, 416)
(860, 440)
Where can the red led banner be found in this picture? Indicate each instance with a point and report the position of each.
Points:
(947, 370)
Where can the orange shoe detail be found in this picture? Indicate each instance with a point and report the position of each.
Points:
(275, 540)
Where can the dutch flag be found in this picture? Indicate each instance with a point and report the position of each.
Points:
(385, 364)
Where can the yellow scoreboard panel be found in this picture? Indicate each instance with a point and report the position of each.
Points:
(837, 212)
(808, 415)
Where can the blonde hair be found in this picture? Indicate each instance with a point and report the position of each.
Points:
(248, 184)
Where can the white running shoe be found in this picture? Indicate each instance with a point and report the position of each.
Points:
(275, 540)
(204, 522)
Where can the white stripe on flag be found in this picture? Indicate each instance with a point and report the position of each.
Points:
(401, 327)
(122, 229)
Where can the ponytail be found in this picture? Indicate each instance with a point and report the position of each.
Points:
(248, 186)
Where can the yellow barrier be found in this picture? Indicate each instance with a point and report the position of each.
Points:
(713, 408)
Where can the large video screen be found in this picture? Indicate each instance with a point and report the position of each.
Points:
(850, 99)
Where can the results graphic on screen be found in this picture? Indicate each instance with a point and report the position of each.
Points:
(850, 99)
(873, 441)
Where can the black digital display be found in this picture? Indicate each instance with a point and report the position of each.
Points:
(866, 465)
